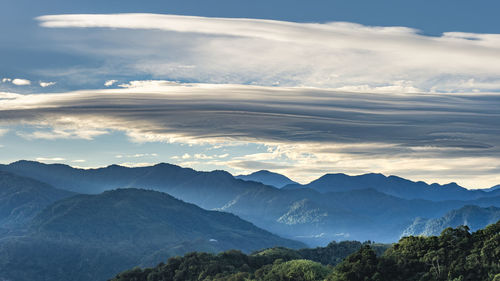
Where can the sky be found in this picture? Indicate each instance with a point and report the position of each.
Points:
(302, 88)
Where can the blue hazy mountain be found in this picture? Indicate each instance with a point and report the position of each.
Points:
(472, 216)
(301, 213)
(363, 214)
(209, 190)
(93, 237)
(393, 185)
(22, 198)
(268, 178)
(493, 188)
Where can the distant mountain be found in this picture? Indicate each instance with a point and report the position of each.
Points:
(268, 178)
(380, 213)
(208, 190)
(22, 198)
(92, 237)
(493, 188)
(395, 186)
(315, 218)
(472, 216)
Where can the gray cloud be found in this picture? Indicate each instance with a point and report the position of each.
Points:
(450, 124)
(452, 137)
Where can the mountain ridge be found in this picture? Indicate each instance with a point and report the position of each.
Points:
(392, 185)
(268, 178)
(93, 237)
(302, 213)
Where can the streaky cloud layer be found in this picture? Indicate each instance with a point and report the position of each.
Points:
(308, 131)
(341, 55)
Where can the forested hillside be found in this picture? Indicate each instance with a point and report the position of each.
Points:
(454, 255)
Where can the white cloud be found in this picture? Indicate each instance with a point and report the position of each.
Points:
(79, 161)
(148, 84)
(134, 164)
(49, 159)
(110, 83)
(337, 55)
(21, 82)
(3, 132)
(202, 156)
(46, 84)
(5, 80)
(137, 155)
(186, 156)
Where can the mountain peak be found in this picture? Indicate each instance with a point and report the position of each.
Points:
(268, 178)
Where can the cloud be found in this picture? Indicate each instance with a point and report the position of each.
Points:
(257, 165)
(46, 84)
(6, 80)
(110, 83)
(306, 132)
(339, 55)
(62, 131)
(137, 155)
(202, 156)
(79, 161)
(3, 132)
(134, 164)
(21, 82)
(48, 159)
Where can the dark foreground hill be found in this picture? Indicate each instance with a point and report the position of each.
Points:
(92, 237)
(473, 217)
(454, 255)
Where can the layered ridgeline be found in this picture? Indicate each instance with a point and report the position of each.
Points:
(22, 198)
(493, 188)
(472, 216)
(395, 186)
(268, 178)
(454, 255)
(92, 237)
(307, 213)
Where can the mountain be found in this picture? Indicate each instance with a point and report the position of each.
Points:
(93, 237)
(493, 188)
(22, 198)
(145, 216)
(208, 190)
(267, 178)
(302, 213)
(317, 218)
(472, 216)
(395, 186)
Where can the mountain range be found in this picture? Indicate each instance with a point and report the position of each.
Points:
(395, 186)
(334, 207)
(101, 235)
(92, 223)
